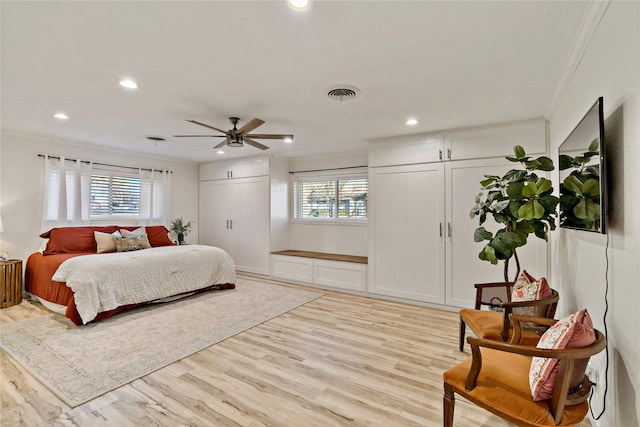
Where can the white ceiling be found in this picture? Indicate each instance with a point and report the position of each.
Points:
(448, 64)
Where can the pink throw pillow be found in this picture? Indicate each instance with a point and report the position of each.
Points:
(573, 331)
(527, 288)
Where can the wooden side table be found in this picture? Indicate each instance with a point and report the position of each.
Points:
(11, 282)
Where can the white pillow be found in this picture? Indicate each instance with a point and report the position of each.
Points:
(106, 242)
(136, 232)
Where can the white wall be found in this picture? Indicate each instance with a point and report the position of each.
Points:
(610, 68)
(22, 183)
(340, 238)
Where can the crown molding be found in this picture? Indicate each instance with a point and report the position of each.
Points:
(590, 21)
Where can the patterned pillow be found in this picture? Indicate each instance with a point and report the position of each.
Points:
(527, 288)
(132, 243)
(573, 331)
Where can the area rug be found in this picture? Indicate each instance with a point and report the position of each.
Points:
(80, 363)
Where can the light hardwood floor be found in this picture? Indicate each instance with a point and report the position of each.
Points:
(340, 360)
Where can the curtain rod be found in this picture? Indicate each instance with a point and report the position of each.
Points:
(107, 164)
(330, 169)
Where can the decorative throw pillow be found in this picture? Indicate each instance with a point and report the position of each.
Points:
(132, 243)
(136, 232)
(73, 240)
(527, 288)
(158, 235)
(573, 331)
(105, 242)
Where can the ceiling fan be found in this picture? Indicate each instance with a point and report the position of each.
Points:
(238, 137)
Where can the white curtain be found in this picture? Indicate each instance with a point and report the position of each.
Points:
(155, 197)
(67, 188)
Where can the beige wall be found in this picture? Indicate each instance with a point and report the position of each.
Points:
(610, 68)
(22, 180)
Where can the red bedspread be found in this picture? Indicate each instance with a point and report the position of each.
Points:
(39, 271)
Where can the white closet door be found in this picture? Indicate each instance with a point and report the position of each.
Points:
(214, 214)
(406, 254)
(464, 268)
(250, 224)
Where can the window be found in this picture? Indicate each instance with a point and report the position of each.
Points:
(335, 198)
(113, 194)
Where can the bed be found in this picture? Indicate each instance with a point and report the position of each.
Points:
(95, 272)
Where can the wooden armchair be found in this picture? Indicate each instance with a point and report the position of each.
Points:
(494, 324)
(496, 378)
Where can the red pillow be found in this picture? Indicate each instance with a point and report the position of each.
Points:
(158, 236)
(71, 240)
(571, 332)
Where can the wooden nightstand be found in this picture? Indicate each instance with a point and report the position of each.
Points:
(11, 282)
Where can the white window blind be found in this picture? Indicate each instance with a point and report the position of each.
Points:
(331, 198)
(114, 194)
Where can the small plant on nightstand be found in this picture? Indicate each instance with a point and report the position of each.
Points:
(181, 229)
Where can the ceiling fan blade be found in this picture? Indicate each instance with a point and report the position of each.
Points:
(200, 136)
(268, 136)
(222, 144)
(207, 126)
(256, 144)
(248, 127)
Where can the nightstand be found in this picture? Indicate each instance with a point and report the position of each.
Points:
(11, 282)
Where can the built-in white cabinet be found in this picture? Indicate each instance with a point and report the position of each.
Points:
(463, 267)
(477, 143)
(421, 243)
(234, 216)
(346, 276)
(406, 234)
(244, 216)
(235, 168)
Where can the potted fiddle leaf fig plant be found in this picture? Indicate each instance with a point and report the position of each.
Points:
(521, 202)
(181, 229)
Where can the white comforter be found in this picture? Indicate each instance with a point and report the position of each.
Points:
(103, 282)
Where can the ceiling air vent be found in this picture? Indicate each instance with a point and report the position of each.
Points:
(343, 93)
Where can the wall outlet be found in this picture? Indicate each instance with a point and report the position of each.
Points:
(596, 373)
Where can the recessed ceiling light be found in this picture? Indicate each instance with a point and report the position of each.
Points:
(220, 152)
(299, 4)
(129, 84)
(61, 116)
(288, 139)
(412, 122)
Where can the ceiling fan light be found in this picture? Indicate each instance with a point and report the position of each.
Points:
(412, 122)
(288, 139)
(219, 152)
(235, 141)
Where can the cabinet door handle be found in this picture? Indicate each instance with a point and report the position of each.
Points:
(440, 156)
(231, 224)
(449, 153)
(440, 229)
(231, 173)
(227, 224)
(449, 229)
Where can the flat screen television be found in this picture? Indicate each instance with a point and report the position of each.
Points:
(583, 198)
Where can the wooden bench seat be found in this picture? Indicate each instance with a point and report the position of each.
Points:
(324, 255)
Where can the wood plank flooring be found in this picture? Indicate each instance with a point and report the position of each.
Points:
(340, 360)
